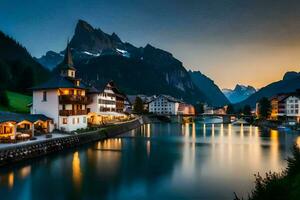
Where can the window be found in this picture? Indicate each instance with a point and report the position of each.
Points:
(65, 120)
(84, 119)
(73, 120)
(77, 120)
(44, 96)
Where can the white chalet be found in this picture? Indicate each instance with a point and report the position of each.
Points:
(63, 98)
(107, 104)
(104, 100)
(164, 105)
(292, 107)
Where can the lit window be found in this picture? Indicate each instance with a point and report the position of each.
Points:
(65, 120)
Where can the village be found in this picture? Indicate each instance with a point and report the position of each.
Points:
(65, 104)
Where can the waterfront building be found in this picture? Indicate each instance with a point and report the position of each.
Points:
(63, 98)
(292, 107)
(186, 109)
(146, 100)
(107, 104)
(208, 109)
(278, 106)
(164, 105)
(220, 110)
(14, 126)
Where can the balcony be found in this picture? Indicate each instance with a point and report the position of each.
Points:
(74, 99)
(72, 112)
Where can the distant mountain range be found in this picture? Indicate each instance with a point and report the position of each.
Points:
(289, 83)
(18, 70)
(239, 93)
(100, 57)
(208, 86)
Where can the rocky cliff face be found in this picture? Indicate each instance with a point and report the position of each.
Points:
(100, 56)
(239, 93)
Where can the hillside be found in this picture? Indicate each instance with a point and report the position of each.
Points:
(208, 86)
(287, 84)
(17, 102)
(19, 71)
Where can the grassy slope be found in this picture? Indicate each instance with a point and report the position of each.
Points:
(17, 102)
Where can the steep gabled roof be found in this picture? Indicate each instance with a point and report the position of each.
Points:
(68, 61)
(168, 97)
(16, 117)
(60, 82)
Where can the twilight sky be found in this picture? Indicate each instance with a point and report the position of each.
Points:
(232, 41)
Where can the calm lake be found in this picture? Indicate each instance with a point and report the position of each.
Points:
(156, 161)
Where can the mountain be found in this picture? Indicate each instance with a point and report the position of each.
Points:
(289, 83)
(50, 60)
(100, 57)
(19, 71)
(239, 93)
(208, 86)
(291, 75)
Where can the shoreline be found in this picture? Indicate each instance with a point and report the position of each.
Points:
(22, 152)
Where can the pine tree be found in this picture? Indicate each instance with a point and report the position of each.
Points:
(3, 98)
(138, 105)
(264, 108)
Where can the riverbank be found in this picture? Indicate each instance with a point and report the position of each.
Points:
(32, 149)
(283, 185)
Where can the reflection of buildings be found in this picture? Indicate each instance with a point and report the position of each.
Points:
(7, 180)
(76, 170)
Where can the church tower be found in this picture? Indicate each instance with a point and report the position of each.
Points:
(68, 69)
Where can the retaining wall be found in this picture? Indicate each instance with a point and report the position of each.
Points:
(20, 152)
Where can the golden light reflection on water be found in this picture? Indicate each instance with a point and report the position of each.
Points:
(25, 171)
(76, 170)
(11, 179)
(274, 149)
(189, 147)
(298, 141)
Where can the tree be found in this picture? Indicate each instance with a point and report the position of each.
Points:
(199, 107)
(138, 106)
(3, 98)
(230, 109)
(247, 110)
(26, 80)
(264, 108)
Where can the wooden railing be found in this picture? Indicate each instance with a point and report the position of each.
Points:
(70, 99)
(72, 112)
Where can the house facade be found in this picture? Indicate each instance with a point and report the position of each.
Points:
(63, 98)
(104, 100)
(107, 104)
(292, 104)
(14, 126)
(164, 105)
(285, 107)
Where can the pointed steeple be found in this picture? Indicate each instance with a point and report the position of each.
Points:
(68, 68)
(68, 61)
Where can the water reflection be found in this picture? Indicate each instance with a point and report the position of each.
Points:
(156, 161)
(76, 170)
